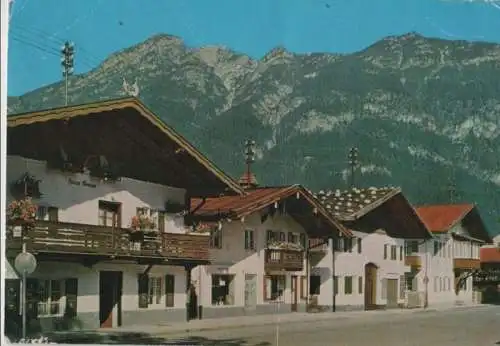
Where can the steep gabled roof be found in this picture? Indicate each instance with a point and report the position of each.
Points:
(121, 110)
(442, 218)
(372, 208)
(238, 206)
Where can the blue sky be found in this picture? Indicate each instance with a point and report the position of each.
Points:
(100, 27)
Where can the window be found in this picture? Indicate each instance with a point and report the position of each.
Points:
(50, 293)
(360, 285)
(359, 245)
(222, 290)
(150, 290)
(275, 236)
(249, 240)
(216, 238)
(411, 282)
(274, 287)
(394, 252)
(411, 247)
(169, 290)
(348, 285)
(109, 214)
(293, 238)
(348, 245)
(436, 247)
(155, 291)
(340, 244)
(335, 285)
(400, 253)
(385, 251)
(45, 213)
(314, 284)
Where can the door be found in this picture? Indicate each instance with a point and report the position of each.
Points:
(370, 286)
(250, 291)
(110, 214)
(110, 297)
(392, 293)
(294, 293)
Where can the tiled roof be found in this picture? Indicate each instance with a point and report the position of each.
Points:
(490, 254)
(440, 218)
(236, 206)
(354, 203)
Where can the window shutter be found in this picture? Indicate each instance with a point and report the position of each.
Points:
(290, 237)
(71, 286)
(360, 249)
(53, 214)
(169, 290)
(269, 236)
(385, 251)
(12, 297)
(161, 221)
(247, 240)
(400, 253)
(142, 285)
(302, 240)
(32, 297)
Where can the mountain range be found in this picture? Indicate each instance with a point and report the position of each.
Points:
(423, 112)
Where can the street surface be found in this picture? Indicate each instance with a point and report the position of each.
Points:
(474, 327)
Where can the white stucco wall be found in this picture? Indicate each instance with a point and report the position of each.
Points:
(88, 283)
(232, 258)
(439, 268)
(353, 264)
(79, 204)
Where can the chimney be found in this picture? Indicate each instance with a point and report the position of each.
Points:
(248, 180)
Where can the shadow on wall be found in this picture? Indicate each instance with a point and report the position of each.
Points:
(143, 338)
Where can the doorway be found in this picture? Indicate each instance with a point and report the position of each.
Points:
(392, 293)
(110, 298)
(294, 293)
(250, 291)
(110, 214)
(370, 286)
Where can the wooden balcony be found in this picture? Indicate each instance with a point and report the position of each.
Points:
(283, 260)
(414, 261)
(466, 263)
(81, 239)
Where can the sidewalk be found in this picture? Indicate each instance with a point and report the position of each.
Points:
(259, 320)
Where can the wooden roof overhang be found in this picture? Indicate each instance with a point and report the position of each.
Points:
(294, 200)
(133, 140)
(394, 214)
(474, 224)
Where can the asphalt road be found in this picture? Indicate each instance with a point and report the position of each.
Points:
(467, 327)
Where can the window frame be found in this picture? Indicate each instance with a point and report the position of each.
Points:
(249, 240)
(229, 278)
(48, 303)
(348, 283)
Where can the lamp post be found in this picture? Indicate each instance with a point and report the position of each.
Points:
(25, 263)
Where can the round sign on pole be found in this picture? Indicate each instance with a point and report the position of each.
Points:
(25, 262)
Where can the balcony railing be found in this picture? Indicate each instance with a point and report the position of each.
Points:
(413, 260)
(284, 260)
(466, 263)
(68, 238)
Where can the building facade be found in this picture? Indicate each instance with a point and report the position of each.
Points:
(446, 262)
(370, 267)
(276, 239)
(109, 234)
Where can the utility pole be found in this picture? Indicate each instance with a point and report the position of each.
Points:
(452, 189)
(249, 155)
(353, 163)
(67, 62)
